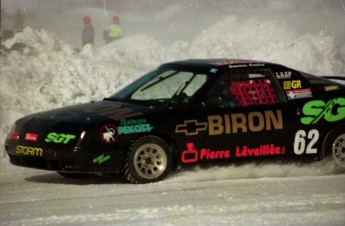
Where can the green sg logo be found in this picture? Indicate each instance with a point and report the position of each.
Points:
(332, 111)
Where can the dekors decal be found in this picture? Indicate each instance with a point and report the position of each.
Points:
(135, 129)
(134, 126)
(332, 111)
(59, 138)
(234, 123)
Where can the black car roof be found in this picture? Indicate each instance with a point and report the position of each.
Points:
(218, 63)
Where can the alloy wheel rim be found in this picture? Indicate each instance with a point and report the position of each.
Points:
(338, 150)
(150, 161)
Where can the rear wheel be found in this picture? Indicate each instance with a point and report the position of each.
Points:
(149, 160)
(334, 147)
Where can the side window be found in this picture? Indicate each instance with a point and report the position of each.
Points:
(240, 89)
(249, 90)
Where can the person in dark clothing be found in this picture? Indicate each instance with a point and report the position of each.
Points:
(88, 33)
(19, 21)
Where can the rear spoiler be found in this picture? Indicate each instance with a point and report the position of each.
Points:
(334, 77)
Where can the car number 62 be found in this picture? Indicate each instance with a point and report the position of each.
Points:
(304, 142)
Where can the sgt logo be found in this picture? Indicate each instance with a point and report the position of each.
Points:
(59, 138)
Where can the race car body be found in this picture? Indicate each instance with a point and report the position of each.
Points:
(186, 113)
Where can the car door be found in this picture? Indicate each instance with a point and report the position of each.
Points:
(245, 116)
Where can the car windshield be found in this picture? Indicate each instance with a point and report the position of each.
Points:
(164, 85)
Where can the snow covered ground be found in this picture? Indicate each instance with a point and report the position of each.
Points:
(30, 197)
(43, 71)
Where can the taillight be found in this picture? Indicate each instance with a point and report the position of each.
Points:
(13, 134)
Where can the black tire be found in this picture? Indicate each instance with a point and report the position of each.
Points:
(74, 175)
(148, 160)
(333, 148)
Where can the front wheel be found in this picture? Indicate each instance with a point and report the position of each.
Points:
(148, 160)
(334, 147)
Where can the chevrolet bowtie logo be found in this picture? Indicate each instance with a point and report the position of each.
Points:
(191, 127)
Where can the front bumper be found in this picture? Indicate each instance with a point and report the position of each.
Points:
(67, 160)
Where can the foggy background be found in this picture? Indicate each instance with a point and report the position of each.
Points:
(44, 67)
(168, 20)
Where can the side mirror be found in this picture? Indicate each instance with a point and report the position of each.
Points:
(213, 102)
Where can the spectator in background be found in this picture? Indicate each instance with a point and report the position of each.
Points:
(88, 33)
(19, 21)
(114, 31)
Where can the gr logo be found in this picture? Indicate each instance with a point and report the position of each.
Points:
(59, 138)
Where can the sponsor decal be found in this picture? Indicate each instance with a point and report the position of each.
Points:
(59, 138)
(262, 150)
(283, 74)
(108, 133)
(134, 126)
(332, 111)
(238, 122)
(31, 136)
(299, 94)
(331, 88)
(234, 123)
(191, 127)
(256, 76)
(256, 65)
(101, 159)
(251, 63)
(192, 155)
(237, 65)
(294, 84)
(29, 151)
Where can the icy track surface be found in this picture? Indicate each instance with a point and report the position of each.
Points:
(30, 197)
(43, 72)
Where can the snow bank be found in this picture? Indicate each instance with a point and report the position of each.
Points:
(42, 72)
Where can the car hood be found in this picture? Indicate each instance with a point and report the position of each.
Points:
(92, 112)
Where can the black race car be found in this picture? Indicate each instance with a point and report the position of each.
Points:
(186, 113)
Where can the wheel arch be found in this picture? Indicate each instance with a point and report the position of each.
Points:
(328, 140)
(171, 142)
